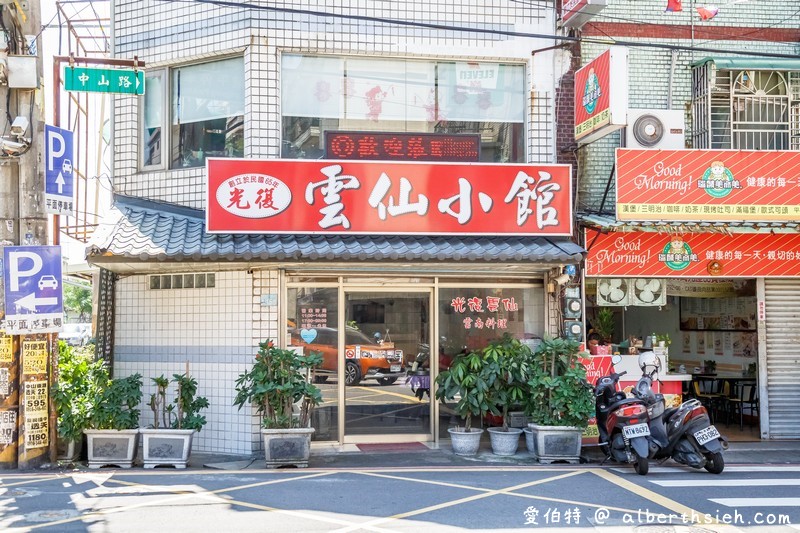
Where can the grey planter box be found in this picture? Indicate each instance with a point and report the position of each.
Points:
(68, 450)
(556, 443)
(166, 447)
(504, 442)
(111, 447)
(287, 447)
(465, 442)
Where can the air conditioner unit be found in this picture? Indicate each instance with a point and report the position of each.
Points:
(612, 291)
(655, 129)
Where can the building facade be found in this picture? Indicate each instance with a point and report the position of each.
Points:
(715, 91)
(270, 86)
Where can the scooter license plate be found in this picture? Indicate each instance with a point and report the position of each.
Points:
(706, 435)
(395, 368)
(636, 430)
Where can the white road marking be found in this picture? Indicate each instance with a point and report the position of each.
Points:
(676, 468)
(757, 502)
(717, 482)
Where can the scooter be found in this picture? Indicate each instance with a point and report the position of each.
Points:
(622, 423)
(683, 433)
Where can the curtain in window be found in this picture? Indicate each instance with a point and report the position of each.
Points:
(379, 89)
(481, 92)
(208, 91)
(311, 86)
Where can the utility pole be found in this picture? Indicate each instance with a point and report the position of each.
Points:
(23, 221)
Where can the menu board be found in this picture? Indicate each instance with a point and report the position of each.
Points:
(718, 314)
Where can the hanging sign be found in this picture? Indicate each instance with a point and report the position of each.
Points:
(692, 255)
(576, 13)
(708, 185)
(601, 95)
(364, 197)
(402, 146)
(34, 300)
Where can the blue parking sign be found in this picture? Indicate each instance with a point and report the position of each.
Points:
(59, 179)
(34, 300)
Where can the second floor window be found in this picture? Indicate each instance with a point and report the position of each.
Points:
(206, 114)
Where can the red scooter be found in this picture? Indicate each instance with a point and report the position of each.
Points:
(622, 423)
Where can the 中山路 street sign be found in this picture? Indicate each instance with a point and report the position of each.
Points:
(104, 80)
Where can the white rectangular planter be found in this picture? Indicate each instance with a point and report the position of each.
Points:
(556, 443)
(166, 447)
(111, 447)
(68, 450)
(287, 447)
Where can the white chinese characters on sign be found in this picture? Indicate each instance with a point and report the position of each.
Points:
(527, 191)
(331, 193)
(403, 206)
(464, 200)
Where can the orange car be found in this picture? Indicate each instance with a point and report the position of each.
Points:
(364, 359)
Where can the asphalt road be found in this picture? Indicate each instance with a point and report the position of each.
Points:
(436, 499)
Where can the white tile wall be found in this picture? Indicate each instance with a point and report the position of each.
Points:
(166, 34)
(157, 331)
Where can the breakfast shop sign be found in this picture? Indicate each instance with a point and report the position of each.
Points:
(708, 185)
(692, 255)
(365, 197)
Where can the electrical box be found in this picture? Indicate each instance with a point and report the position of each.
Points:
(22, 72)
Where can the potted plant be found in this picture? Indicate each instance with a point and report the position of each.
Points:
(465, 381)
(80, 379)
(278, 383)
(506, 369)
(604, 325)
(114, 424)
(560, 401)
(169, 440)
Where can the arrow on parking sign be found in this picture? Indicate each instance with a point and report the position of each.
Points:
(60, 182)
(30, 301)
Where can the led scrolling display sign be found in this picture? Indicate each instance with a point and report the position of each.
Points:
(402, 146)
(387, 197)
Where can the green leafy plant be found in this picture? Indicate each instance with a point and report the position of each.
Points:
(116, 406)
(184, 412)
(276, 382)
(604, 325)
(80, 380)
(665, 338)
(506, 364)
(78, 300)
(710, 366)
(558, 392)
(467, 380)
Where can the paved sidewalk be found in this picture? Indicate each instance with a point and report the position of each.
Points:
(431, 456)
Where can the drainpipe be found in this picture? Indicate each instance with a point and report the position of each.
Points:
(673, 59)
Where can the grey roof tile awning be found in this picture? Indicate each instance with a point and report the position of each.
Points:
(168, 234)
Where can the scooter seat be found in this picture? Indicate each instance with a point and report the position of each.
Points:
(669, 412)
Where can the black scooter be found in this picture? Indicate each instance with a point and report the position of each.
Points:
(683, 433)
(622, 423)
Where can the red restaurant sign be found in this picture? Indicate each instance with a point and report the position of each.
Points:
(601, 95)
(713, 185)
(692, 255)
(359, 197)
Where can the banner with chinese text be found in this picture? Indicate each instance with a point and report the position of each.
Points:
(366, 197)
(601, 95)
(692, 255)
(712, 185)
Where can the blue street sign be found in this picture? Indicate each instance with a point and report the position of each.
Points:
(34, 300)
(59, 179)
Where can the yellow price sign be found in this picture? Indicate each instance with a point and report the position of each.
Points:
(35, 398)
(34, 357)
(6, 348)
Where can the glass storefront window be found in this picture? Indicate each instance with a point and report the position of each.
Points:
(320, 94)
(469, 318)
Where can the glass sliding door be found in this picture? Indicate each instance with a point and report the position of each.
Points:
(385, 393)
